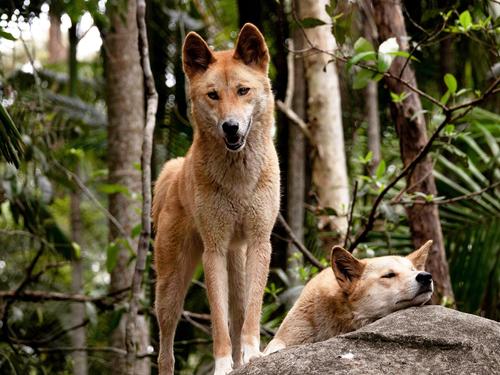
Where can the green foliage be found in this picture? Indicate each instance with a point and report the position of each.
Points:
(471, 226)
(11, 145)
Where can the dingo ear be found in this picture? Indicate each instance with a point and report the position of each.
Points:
(196, 56)
(251, 48)
(419, 257)
(345, 267)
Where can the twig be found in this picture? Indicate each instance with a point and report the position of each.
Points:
(454, 199)
(313, 47)
(307, 254)
(351, 211)
(96, 202)
(5, 307)
(42, 296)
(200, 326)
(147, 144)
(105, 349)
(290, 84)
(295, 118)
(35, 343)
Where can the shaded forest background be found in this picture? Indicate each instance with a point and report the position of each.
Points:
(387, 129)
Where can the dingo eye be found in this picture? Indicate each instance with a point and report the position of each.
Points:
(389, 275)
(243, 91)
(213, 95)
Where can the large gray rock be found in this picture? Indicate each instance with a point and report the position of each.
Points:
(422, 340)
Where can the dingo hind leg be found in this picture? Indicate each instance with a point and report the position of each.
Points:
(176, 258)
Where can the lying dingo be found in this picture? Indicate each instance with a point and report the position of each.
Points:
(353, 293)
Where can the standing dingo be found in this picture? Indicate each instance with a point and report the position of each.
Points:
(219, 203)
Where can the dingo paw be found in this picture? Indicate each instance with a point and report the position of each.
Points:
(223, 365)
(250, 352)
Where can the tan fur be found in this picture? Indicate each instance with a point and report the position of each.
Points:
(219, 205)
(351, 294)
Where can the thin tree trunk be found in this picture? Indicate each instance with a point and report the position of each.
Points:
(125, 102)
(55, 45)
(373, 120)
(369, 32)
(411, 128)
(296, 159)
(78, 336)
(446, 60)
(324, 115)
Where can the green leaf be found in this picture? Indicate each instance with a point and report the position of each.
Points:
(136, 230)
(444, 99)
(403, 54)
(112, 256)
(465, 20)
(6, 35)
(449, 129)
(329, 211)
(363, 45)
(450, 82)
(379, 173)
(362, 78)
(362, 56)
(310, 22)
(399, 98)
(11, 144)
(77, 250)
(113, 189)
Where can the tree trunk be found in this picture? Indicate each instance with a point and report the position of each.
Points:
(411, 128)
(125, 102)
(372, 118)
(324, 115)
(250, 11)
(55, 45)
(296, 160)
(78, 336)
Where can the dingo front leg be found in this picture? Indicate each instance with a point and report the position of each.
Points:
(237, 298)
(216, 279)
(257, 268)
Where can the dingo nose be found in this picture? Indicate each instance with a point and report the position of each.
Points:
(230, 128)
(424, 278)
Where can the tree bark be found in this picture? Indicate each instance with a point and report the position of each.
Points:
(125, 102)
(410, 125)
(78, 336)
(55, 45)
(296, 158)
(373, 120)
(324, 115)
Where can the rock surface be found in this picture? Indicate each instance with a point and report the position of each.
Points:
(421, 340)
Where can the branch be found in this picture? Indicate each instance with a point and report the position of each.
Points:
(96, 202)
(42, 296)
(351, 211)
(295, 118)
(147, 145)
(454, 199)
(423, 152)
(307, 254)
(105, 349)
(36, 343)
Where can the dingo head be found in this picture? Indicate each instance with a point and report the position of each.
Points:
(377, 287)
(230, 90)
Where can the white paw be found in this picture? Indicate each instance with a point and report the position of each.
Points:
(251, 351)
(223, 365)
(274, 346)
